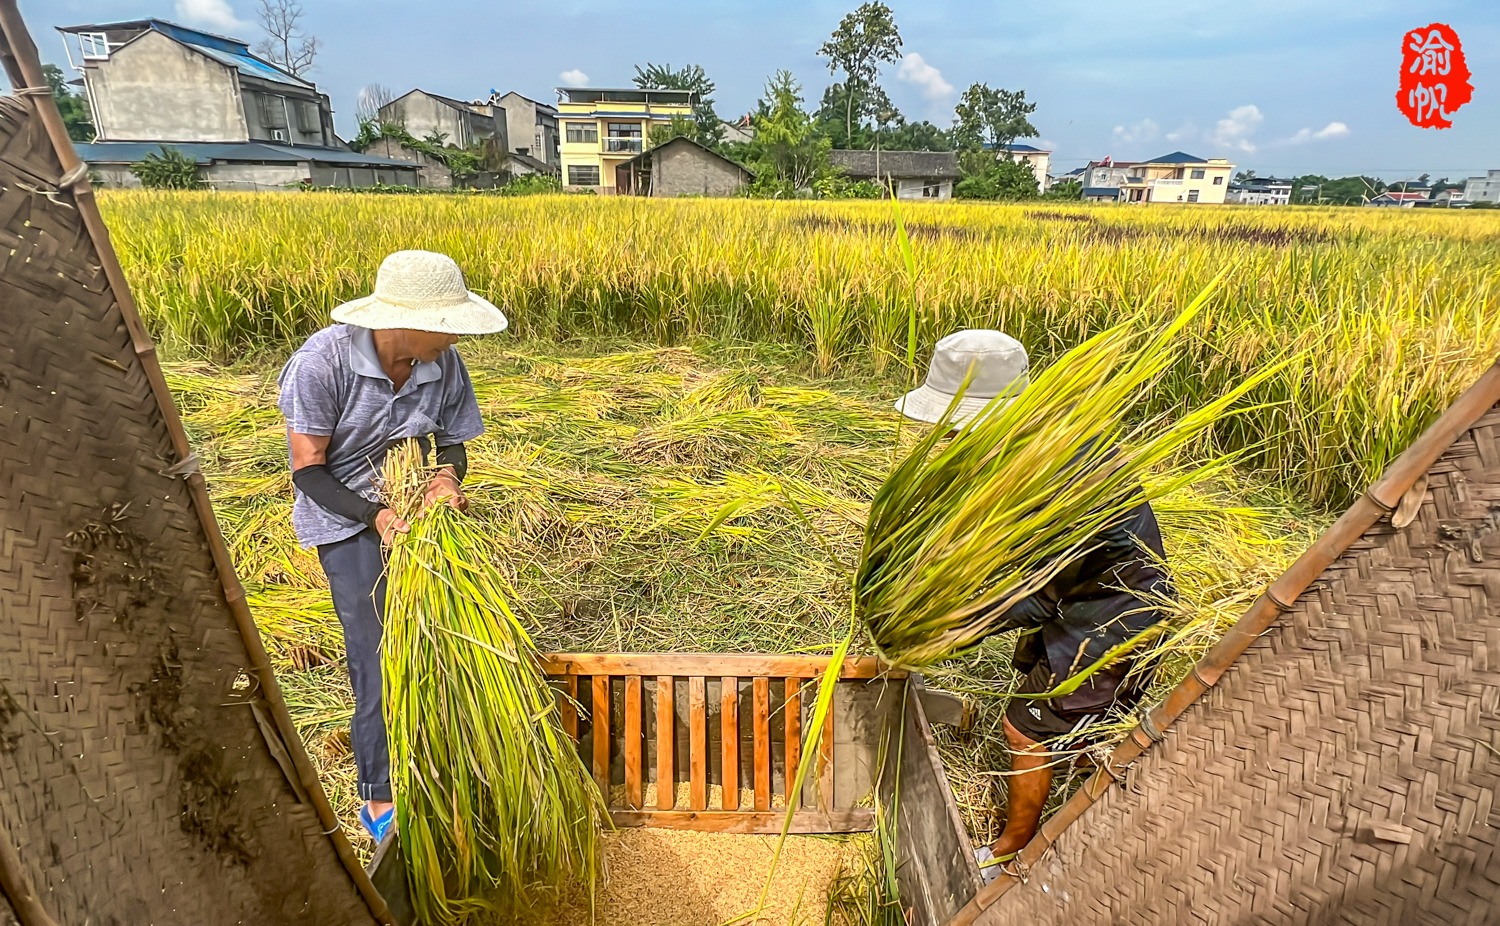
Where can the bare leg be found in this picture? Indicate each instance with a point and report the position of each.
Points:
(1028, 785)
(378, 808)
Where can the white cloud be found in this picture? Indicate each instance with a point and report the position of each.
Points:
(214, 14)
(574, 78)
(1330, 131)
(1145, 130)
(1236, 129)
(916, 71)
(1183, 132)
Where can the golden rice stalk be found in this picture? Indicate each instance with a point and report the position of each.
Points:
(960, 533)
(493, 803)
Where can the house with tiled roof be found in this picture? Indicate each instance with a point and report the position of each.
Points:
(1398, 199)
(245, 122)
(1177, 177)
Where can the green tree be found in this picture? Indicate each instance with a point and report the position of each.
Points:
(864, 39)
(679, 127)
(788, 152)
(988, 177)
(1066, 189)
(709, 129)
(1343, 191)
(73, 107)
(169, 170)
(993, 116)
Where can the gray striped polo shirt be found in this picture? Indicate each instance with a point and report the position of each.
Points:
(334, 386)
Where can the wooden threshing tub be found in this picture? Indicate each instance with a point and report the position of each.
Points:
(645, 720)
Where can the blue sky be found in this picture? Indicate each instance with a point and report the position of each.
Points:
(1278, 86)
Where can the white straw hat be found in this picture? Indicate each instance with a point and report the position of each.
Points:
(999, 363)
(422, 291)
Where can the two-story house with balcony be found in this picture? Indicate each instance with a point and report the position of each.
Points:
(243, 120)
(1261, 191)
(604, 128)
(1177, 178)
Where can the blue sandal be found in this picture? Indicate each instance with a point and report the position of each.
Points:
(376, 828)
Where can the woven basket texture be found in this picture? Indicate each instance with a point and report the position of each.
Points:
(1344, 770)
(135, 778)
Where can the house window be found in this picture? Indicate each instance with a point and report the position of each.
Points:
(1192, 196)
(624, 138)
(932, 190)
(94, 44)
(583, 175)
(583, 133)
(1197, 174)
(272, 116)
(308, 117)
(1219, 180)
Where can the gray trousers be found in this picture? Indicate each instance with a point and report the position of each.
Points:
(356, 577)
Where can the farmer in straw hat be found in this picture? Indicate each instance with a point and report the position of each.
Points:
(387, 372)
(1099, 600)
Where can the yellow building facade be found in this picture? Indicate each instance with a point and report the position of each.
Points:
(603, 128)
(1177, 178)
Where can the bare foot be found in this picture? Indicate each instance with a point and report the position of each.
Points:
(379, 809)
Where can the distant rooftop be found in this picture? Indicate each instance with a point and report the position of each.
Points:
(910, 165)
(625, 95)
(222, 48)
(1177, 157)
(1022, 149)
(129, 152)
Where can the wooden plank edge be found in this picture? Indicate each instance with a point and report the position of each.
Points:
(742, 665)
(804, 822)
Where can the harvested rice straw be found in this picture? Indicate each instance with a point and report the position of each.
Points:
(960, 533)
(493, 804)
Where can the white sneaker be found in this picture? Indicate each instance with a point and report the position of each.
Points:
(989, 869)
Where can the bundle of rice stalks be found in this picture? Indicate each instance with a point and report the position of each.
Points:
(962, 531)
(493, 803)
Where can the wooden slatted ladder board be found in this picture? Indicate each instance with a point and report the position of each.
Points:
(711, 742)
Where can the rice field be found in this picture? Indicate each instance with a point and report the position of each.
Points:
(604, 467)
(677, 370)
(1392, 312)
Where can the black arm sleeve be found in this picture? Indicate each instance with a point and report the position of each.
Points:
(318, 484)
(456, 456)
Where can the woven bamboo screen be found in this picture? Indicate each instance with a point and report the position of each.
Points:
(148, 771)
(1344, 770)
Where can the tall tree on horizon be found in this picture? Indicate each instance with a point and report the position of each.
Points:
(986, 113)
(864, 40)
(689, 77)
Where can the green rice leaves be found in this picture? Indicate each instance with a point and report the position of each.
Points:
(962, 531)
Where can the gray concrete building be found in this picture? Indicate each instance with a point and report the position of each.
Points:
(465, 125)
(1484, 189)
(151, 80)
(914, 174)
(247, 123)
(532, 128)
(681, 167)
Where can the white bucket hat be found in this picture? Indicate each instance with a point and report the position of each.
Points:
(422, 291)
(999, 363)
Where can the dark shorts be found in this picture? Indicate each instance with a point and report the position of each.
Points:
(1049, 721)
